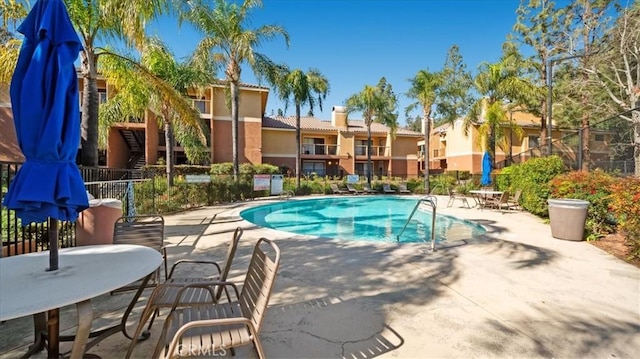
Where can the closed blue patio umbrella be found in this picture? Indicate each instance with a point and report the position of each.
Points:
(44, 100)
(486, 169)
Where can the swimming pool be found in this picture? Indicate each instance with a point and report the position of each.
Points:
(368, 218)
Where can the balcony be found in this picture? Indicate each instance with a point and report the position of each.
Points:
(319, 149)
(376, 151)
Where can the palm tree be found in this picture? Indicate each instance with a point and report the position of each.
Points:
(12, 12)
(158, 84)
(301, 88)
(377, 104)
(227, 40)
(105, 19)
(498, 84)
(424, 90)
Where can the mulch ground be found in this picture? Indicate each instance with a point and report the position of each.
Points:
(615, 244)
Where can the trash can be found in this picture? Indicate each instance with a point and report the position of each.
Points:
(95, 224)
(567, 217)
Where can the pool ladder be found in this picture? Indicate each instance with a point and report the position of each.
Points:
(433, 202)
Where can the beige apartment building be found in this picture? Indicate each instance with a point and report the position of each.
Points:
(334, 147)
(453, 150)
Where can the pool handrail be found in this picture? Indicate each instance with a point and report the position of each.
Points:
(433, 202)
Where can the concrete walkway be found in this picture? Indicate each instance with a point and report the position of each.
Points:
(516, 292)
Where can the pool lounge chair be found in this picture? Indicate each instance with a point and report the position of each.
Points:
(352, 189)
(337, 190)
(367, 189)
(386, 188)
(402, 187)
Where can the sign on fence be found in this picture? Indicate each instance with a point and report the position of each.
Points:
(261, 182)
(198, 178)
(353, 178)
(276, 184)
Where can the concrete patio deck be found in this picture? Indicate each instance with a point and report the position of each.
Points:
(514, 293)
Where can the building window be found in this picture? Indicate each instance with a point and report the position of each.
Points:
(102, 96)
(317, 167)
(600, 138)
(534, 141)
(360, 147)
(313, 146)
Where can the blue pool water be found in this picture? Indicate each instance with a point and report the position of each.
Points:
(368, 218)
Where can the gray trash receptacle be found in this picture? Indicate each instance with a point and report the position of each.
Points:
(95, 224)
(567, 217)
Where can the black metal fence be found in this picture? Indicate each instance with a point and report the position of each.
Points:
(100, 183)
(610, 145)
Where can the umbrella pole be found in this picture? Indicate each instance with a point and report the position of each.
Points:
(53, 244)
(53, 319)
(53, 334)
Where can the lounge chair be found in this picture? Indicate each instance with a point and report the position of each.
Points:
(144, 230)
(367, 189)
(224, 325)
(386, 188)
(164, 295)
(352, 189)
(337, 190)
(402, 188)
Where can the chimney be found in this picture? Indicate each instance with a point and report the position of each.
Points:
(339, 116)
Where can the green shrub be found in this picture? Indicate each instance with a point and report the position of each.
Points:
(533, 177)
(593, 187)
(625, 203)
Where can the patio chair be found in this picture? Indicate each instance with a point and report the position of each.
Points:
(453, 195)
(165, 295)
(223, 325)
(337, 190)
(144, 230)
(367, 189)
(513, 202)
(386, 188)
(352, 189)
(499, 202)
(402, 188)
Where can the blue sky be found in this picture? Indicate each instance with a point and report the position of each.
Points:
(356, 42)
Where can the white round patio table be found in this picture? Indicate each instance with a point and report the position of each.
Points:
(27, 288)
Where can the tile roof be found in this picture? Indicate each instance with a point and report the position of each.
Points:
(314, 124)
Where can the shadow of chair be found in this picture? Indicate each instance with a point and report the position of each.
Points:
(223, 325)
(143, 230)
(164, 296)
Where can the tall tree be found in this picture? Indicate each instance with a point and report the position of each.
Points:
(424, 89)
(617, 71)
(300, 88)
(454, 94)
(159, 84)
(377, 104)
(541, 27)
(589, 21)
(228, 40)
(97, 20)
